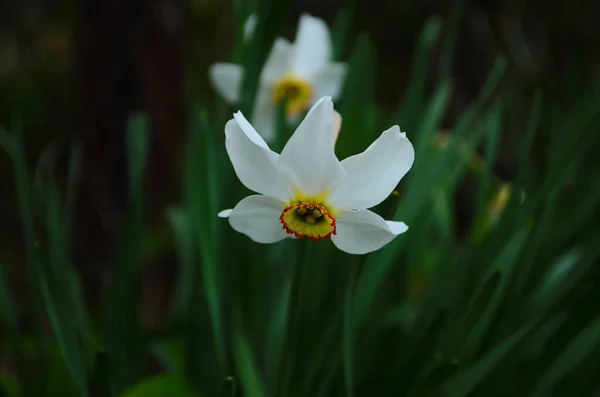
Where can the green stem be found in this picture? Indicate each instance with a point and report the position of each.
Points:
(293, 317)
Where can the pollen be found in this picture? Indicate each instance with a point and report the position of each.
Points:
(297, 93)
(304, 219)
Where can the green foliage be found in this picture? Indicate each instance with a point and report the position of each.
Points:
(159, 386)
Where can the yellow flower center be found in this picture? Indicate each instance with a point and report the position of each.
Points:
(297, 93)
(311, 220)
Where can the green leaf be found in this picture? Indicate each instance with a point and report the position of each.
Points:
(578, 349)
(277, 335)
(10, 321)
(341, 27)
(530, 130)
(348, 336)
(125, 342)
(138, 135)
(161, 386)
(201, 192)
(463, 383)
(451, 38)
(247, 369)
(171, 353)
(8, 386)
(409, 115)
(493, 133)
(556, 277)
(100, 382)
(60, 278)
(184, 241)
(503, 267)
(356, 106)
(399, 315)
(14, 150)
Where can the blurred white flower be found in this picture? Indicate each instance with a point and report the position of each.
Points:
(307, 192)
(300, 72)
(250, 26)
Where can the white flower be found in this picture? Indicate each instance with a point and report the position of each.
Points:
(300, 72)
(307, 192)
(250, 26)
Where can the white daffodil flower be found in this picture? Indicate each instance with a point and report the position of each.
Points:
(307, 192)
(300, 73)
(250, 26)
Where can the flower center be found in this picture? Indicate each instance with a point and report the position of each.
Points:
(297, 93)
(308, 220)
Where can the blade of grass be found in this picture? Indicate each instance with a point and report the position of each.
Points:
(124, 339)
(348, 336)
(179, 220)
(293, 321)
(563, 276)
(408, 115)
(463, 383)
(356, 105)
(505, 265)
(573, 354)
(23, 191)
(341, 27)
(74, 173)
(67, 316)
(161, 385)
(566, 158)
(451, 38)
(100, 381)
(246, 367)
(276, 337)
(201, 176)
(491, 152)
(530, 130)
(10, 320)
(324, 355)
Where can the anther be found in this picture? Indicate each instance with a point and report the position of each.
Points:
(316, 212)
(291, 92)
(302, 210)
(309, 219)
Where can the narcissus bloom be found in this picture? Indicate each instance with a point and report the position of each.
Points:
(306, 192)
(300, 73)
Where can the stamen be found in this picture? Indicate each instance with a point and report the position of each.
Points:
(308, 220)
(296, 92)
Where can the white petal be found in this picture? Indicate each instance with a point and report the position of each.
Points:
(361, 232)
(263, 115)
(226, 79)
(250, 26)
(308, 159)
(375, 173)
(278, 62)
(258, 218)
(337, 125)
(312, 46)
(329, 81)
(254, 163)
(224, 213)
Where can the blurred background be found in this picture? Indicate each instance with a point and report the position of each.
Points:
(73, 72)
